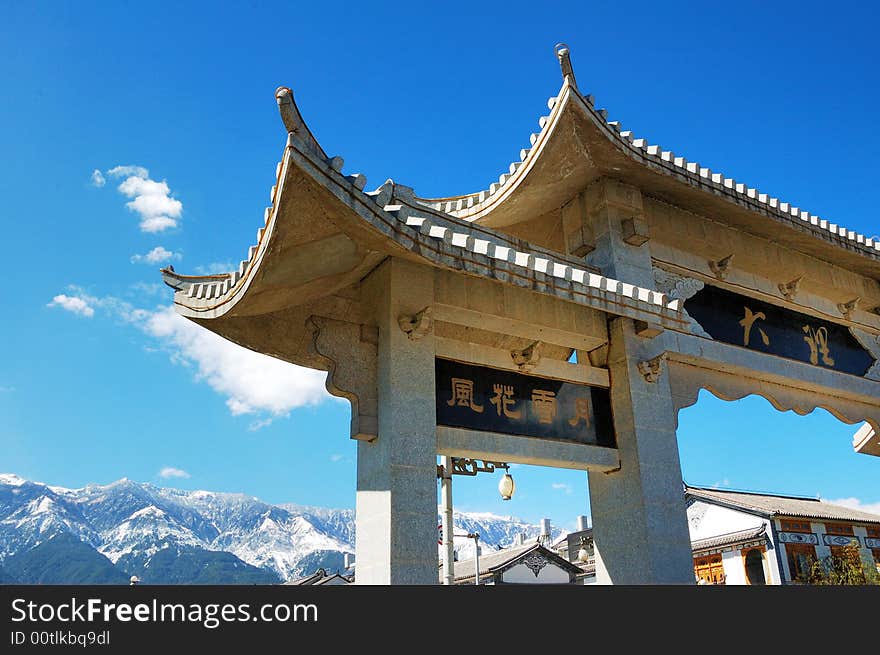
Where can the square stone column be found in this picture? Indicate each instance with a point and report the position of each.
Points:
(639, 518)
(396, 512)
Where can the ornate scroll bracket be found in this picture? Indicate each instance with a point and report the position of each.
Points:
(680, 287)
(721, 268)
(652, 369)
(528, 357)
(418, 325)
(789, 289)
(871, 343)
(349, 353)
(847, 308)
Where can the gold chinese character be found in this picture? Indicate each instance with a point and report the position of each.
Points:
(817, 340)
(463, 394)
(503, 400)
(544, 405)
(581, 412)
(747, 321)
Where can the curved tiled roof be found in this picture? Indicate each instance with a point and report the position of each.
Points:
(443, 239)
(741, 536)
(474, 205)
(771, 506)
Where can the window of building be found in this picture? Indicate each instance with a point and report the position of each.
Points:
(709, 569)
(795, 525)
(873, 531)
(753, 559)
(800, 560)
(838, 528)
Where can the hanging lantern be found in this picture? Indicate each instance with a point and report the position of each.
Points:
(506, 487)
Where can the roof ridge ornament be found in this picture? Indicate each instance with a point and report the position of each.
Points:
(293, 120)
(563, 52)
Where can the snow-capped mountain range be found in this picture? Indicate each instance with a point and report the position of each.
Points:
(129, 522)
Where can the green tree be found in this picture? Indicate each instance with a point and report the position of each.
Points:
(845, 568)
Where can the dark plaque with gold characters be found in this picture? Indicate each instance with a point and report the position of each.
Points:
(757, 325)
(482, 398)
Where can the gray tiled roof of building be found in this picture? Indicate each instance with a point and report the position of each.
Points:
(730, 538)
(773, 506)
(491, 562)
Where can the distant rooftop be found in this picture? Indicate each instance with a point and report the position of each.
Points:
(771, 505)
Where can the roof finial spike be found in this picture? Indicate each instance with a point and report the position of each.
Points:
(564, 55)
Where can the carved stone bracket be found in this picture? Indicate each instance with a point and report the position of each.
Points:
(789, 289)
(721, 268)
(528, 357)
(847, 308)
(680, 287)
(871, 343)
(418, 325)
(349, 353)
(652, 369)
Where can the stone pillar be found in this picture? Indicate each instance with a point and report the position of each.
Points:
(639, 516)
(620, 232)
(639, 520)
(396, 511)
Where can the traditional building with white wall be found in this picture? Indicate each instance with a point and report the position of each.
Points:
(752, 538)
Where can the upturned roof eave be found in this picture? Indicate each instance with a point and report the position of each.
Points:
(389, 221)
(658, 172)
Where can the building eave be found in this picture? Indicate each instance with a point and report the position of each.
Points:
(358, 229)
(577, 143)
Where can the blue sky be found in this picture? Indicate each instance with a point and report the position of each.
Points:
(98, 381)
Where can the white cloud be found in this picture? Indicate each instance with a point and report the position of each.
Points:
(721, 483)
(73, 304)
(252, 383)
(150, 199)
(156, 256)
(148, 288)
(171, 472)
(127, 171)
(259, 425)
(855, 503)
(98, 179)
(559, 486)
(7, 389)
(214, 268)
(336, 457)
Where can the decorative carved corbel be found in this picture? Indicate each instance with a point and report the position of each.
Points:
(789, 289)
(634, 231)
(349, 353)
(871, 343)
(528, 357)
(847, 308)
(721, 267)
(418, 325)
(598, 356)
(651, 369)
(680, 287)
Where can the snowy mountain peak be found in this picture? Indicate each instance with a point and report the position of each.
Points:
(130, 522)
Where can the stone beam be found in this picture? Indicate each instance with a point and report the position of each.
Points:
(501, 359)
(489, 305)
(461, 442)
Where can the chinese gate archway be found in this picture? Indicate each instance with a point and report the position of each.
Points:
(660, 275)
